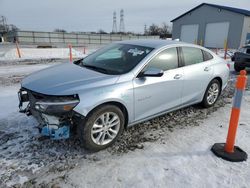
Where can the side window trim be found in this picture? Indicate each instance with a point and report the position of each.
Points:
(181, 62)
(203, 55)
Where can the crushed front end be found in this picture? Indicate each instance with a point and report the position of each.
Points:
(54, 113)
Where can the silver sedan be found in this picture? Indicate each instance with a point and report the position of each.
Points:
(120, 85)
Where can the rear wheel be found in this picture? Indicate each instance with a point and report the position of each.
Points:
(238, 68)
(212, 93)
(102, 127)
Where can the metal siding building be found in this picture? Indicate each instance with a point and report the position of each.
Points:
(210, 25)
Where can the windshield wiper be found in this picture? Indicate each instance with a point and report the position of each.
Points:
(95, 68)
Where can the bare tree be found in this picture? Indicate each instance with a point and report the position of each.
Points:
(60, 30)
(5, 27)
(101, 31)
(164, 31)
(153, 30)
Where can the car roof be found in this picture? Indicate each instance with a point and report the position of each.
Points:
(152, 43)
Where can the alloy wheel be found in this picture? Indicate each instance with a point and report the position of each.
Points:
(213, 93)
(105, 128)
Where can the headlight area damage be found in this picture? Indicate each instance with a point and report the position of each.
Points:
(54, 113)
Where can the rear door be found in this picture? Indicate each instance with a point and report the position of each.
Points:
(198, 72)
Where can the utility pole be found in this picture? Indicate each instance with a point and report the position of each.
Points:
(122, 25)
(114, 29)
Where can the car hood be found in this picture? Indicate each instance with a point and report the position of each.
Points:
(66, 79)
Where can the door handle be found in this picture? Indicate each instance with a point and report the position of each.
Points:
(177, 76)
(207, 69)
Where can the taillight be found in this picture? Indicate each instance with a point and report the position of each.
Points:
(228, 65)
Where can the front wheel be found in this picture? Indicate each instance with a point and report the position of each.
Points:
(102, 127)
(212, 93)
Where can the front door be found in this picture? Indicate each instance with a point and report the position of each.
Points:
(153, 95)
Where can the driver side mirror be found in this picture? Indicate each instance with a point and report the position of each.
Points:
(151, 72)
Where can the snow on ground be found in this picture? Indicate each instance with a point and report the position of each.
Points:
(185, 160)
(181, 158)
(41, 53)
(221, 53)
(22, 69)
(10, 74)
(169, 151)
(8, 98)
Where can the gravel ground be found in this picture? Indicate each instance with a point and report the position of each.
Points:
(25, 154)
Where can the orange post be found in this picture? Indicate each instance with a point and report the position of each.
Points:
(70, 53)
(228, 151)
(18, 50)
(225, 48)
(235, 113)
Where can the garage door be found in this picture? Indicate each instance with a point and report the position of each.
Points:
(216, 34)
(189, 33)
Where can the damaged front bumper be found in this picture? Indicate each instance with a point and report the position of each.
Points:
(55, 129)
(54, 113)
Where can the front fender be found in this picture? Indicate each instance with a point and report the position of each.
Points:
(120, 92)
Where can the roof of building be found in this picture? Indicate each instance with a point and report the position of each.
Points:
(232, 9)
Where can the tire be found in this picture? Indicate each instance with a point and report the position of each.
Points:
(238, 68)
(96, 133)
(213, 89)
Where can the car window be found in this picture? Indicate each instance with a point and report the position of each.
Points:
(206, 55)
(110, 54)
(115, 58)
(192, 55)
(165, 60)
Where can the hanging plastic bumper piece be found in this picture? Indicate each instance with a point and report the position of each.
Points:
(56, 133)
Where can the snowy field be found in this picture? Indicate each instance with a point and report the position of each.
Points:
(8, 52)
(169, 151)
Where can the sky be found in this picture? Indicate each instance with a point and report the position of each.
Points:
(90, 15)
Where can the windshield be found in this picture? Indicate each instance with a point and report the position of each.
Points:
(116, 58)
